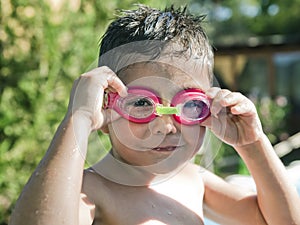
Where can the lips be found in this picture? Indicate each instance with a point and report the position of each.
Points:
(166, 148)
(169, 144)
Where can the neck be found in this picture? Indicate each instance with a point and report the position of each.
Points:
(115, 170)
(118, 171)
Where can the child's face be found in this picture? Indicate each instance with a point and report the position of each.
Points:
(163, 143)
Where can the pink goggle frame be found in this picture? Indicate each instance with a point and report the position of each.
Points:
(141, 105)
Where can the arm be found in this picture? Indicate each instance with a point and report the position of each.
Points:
(276, 201)
(228, 204)
(277, 197)
(52, 195)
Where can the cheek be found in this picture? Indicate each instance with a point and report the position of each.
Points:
(193, 136)
(137, 131)
(126, 131)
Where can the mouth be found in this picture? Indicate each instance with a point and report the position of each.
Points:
(165, 148)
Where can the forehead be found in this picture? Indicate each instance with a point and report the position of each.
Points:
(162, 76)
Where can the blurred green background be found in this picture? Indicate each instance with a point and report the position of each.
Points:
(47, 44)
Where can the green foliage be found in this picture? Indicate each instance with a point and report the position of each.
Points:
(235, 21)
(284, 21)
(45, 46)
(272, 114)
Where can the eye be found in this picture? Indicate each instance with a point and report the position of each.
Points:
(194, 104)
(138, 106)
(142, 102)
(136, 101)
(193, 109)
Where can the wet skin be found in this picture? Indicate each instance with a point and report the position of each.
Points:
(158, 147)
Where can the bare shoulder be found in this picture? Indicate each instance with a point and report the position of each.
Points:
(192, 169)
(211, 180)
(86, 210)
(92, 184)
(192, 176)
(86, 202)
(219, 185)
(215, 186)
(229, 203)
(196, 173)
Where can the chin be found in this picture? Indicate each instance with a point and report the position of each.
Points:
(166, 166)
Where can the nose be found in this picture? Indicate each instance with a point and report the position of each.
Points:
(163, 125)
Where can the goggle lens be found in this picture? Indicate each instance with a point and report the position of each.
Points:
(137, 106)
(193, 109)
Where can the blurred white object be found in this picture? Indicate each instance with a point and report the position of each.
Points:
(248, 183)
(288, 145)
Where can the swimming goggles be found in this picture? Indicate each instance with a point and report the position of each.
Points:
(141, 105)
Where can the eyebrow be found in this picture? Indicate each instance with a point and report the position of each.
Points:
(193, 85)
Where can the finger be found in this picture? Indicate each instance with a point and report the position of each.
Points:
(245, 107)
(114, 82)
(106, 78)
(238, 104)
(212, 92)
(232, 99)
(216, 106)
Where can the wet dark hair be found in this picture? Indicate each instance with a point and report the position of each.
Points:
(141, 25)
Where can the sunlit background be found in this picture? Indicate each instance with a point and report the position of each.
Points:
(47, 44)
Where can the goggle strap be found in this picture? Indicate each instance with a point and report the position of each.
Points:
(167, 110)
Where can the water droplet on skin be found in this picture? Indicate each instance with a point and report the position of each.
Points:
(74, 151)
(46, 198)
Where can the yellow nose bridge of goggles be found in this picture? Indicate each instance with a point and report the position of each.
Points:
(167, 110)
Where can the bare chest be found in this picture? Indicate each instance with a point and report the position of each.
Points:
(179, 204)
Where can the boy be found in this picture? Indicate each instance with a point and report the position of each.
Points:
(152, 94)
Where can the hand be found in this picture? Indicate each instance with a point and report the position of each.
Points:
(87, 95)
(234, 118)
